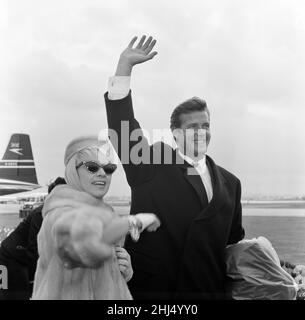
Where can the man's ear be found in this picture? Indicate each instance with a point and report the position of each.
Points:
(175, 133)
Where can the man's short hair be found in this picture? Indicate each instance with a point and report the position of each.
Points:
(188, 106)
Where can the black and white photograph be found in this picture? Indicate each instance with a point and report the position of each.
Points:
(152, 151)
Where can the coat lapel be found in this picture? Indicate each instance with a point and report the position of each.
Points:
(192, 177)
(218, 184)
(219, 191)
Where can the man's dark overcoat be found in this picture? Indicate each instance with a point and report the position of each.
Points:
(185, 257)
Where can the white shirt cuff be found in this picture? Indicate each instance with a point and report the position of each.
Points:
(118, 87)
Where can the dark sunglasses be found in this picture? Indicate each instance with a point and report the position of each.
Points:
(94, 167)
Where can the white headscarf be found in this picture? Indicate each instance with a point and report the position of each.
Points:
(86, 147)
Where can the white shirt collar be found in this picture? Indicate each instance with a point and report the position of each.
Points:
(200, 165)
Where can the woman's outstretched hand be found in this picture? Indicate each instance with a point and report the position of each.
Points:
(149, 221)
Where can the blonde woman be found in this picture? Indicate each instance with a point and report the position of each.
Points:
(78, 253)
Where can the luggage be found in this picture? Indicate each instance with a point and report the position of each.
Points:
(254, 272)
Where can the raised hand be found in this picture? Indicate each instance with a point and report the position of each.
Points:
(134, 55)
(141, 53)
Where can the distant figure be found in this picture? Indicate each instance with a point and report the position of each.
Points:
(197, 201)
(79, 256)
(18, 252)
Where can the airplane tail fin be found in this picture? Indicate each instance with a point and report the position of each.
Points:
(18, 163)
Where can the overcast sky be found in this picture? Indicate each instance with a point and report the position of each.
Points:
(245, 58)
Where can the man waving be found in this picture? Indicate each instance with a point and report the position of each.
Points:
(197, 202)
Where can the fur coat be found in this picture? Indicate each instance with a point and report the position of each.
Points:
(72, 233)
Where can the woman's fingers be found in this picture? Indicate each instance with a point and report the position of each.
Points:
(123, 262)
(121, 253)
(119, 249)
(155, 225)
(122, 269)
(149, 221)
(123, 258)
